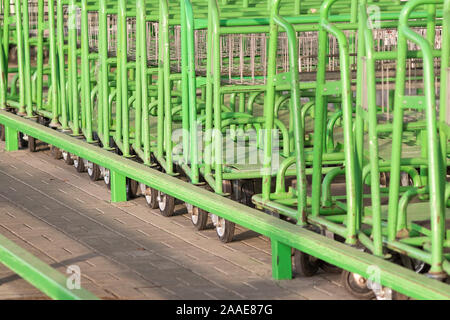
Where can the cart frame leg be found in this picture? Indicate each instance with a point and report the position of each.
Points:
(118, 187)
(11, 138)
(281, 261)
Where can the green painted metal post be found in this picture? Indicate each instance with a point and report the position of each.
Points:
(281, 261)
(11, 139)
(118, 187)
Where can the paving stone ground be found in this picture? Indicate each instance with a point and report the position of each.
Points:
(126, 250)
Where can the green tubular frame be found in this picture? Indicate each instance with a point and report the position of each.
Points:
(282, 234)
(215, 117)
(436, 179)
(249, 19)
(395, 220)
(299, 144)
(295, 103)
(396, 224)
(83, 87)
(30, 79)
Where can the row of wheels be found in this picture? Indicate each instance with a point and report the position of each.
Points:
(304, 264)
(166, 204)
(155, 199)
(358, 286)
(224, 228)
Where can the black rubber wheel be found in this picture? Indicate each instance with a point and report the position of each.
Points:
(151, 196)
(304, 264)
(67, 158)
(2, 132)
(78, 163)
(107, 178)
(56, 153)
(225, 230)
(166, 204)
(199, 218)
(356, 285)
(93, 171)
(44, 121)
(32, 144)
(23, 140)
(409, 263)
(412, 264)
(132, 188)
(247, 192)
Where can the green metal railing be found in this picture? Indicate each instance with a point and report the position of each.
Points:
(39, 274)
(125, 75)
(283, 235)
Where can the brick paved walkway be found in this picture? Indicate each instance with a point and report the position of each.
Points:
(127, 251)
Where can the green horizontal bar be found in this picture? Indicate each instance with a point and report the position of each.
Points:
(391, 275)
(42, 276)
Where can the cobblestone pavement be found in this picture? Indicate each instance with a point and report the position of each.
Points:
(127, 251)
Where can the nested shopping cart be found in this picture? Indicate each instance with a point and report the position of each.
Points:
(375, 176)
(223, 129)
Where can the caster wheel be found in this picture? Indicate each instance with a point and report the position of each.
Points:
(151, 196)
(247, 192)
(224, 229)
(199, 218)
(23, 140)
(413, 264)
(305, 265)
(421, 267)
(356, 285)
(56, 153)
(385, 293)
(166, 204)
(67, 158)
(107, 178)
(132, 188)
(93, 171)
(32, 144)
(43, 121)
(2, 132)
(78, 163)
